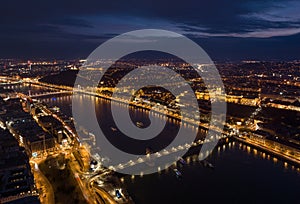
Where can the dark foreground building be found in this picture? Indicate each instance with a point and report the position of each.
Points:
(16, 179)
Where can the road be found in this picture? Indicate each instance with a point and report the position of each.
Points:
(106, 197)
(42, 182)
(74, 166)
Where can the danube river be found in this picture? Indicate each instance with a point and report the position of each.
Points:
(241, 175)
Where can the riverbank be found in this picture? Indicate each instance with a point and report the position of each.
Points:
(274, 152)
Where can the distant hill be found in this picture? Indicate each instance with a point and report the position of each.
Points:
(66, 78)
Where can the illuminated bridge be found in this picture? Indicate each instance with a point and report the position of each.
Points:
(44, 94)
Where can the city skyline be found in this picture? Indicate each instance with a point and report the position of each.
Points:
(61, 161)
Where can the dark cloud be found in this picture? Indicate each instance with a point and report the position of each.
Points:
(226, 29)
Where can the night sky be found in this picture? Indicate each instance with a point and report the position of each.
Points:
(226, 29)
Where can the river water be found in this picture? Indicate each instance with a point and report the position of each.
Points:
(241, 175)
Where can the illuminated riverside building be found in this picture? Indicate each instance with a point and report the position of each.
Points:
(23, 127)
(31, 136)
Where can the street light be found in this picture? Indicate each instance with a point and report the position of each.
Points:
(44, 142)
